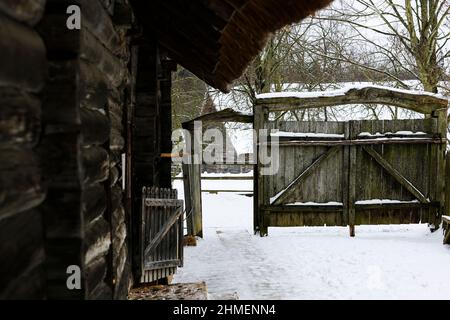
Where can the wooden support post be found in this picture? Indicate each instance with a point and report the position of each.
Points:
(352, 180)
(259, 123)
(345, 176)
(441, 167)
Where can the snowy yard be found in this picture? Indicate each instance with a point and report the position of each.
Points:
(381, 262)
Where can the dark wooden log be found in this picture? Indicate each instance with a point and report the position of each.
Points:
(120, 233)
(22, 253)
(22, 56)
(98, 21)
(20, 117)
(28, 11)
(114, 176)
(116, 121)
(80, 44)
(21, 185)
(95, 273)
(95, 162)
(94, 202)
(93, 87)
(94, 127)
(117, 141)
(97, 239)
(116, 200)
(120, 259)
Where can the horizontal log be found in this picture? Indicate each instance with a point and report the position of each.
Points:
(97, 240)
(80, 44)
(20, 117)
(93, 87)
(99, 22)
(94, 202)
(95, 161)
(22, 249)
(21, 185)
(423, 103)
(28, 11)
(94, 127)
(22, 56)
(117, 141)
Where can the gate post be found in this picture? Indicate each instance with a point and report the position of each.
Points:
(259, 120)
(351, 134)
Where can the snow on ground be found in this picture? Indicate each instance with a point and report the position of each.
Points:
(381, 262)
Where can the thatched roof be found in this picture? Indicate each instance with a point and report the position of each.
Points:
(217, 39)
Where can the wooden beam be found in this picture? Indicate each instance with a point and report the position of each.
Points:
(422, 103)
(302, 176)
(397, 175)
(226, 115)
(303, 208)
(314, 143)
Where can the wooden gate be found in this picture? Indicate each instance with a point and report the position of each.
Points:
(161, 239)
(352, 173)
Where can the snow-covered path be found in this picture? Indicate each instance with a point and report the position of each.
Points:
(382, 262)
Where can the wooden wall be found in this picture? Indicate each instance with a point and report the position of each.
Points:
(22, 78)
(65, 97)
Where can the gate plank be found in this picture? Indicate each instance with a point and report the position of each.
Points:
(163, 231)
(300, 178)
(397, 175)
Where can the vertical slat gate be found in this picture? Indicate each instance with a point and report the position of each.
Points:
(161, 237)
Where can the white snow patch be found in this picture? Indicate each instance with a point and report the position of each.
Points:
(381, 262)
(330, 203)
(384, 201)
(306, 135)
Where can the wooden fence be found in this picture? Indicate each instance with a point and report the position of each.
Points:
(161, 236)
(356, 172)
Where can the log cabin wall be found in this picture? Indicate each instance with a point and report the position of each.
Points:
(22, 77)
(64, 98)
(81, 149)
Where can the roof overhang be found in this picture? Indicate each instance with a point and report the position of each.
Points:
(217, 39)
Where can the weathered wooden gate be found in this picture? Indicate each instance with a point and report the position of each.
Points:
(356, 172)
(161, 238)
